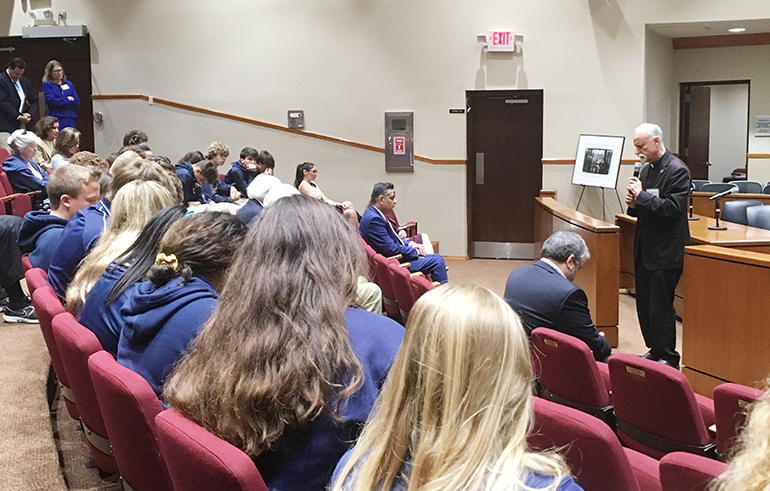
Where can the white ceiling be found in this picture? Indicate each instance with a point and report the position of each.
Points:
(713, 28)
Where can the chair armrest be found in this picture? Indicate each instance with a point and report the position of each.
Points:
(419, 273)
(397, 256)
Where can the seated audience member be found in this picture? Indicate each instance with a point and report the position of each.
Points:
(70, 189)
(23, 172)
(164, 314)
(101, 312)
(88, 158)
(256, 192)
(243, 171)
(67, 144)
(456, 408)
(544, 294)
(219, 192)
(16, 306)
(46, 130)
(131, 138)
(378, 233)
(304, 181)
(291, 368)
(84, 229)
(749, 465)
(135, 204)
(266, 162)
(192, 174)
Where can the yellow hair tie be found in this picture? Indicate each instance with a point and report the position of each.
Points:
(169, 260)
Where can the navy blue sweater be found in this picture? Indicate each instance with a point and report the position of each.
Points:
(240, 177)
(101, 318)
(39, 235)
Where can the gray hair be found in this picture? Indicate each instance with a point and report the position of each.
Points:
(561, 245)
(261, 185)
(277, 192)
(380, 189)
(653, 130)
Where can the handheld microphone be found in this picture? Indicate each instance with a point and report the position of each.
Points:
(637, 168)
(723, 193)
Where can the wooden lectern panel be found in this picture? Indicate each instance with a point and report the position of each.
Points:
(599, 276)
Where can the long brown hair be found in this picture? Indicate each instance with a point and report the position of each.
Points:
(276, 353)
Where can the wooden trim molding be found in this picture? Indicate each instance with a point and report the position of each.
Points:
(726, 41)
(572, 161)
(265, 124)
(758, 155)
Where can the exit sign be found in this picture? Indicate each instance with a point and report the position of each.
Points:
(500, 41)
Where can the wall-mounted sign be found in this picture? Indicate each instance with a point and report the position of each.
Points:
(762, 126)
(500, 41)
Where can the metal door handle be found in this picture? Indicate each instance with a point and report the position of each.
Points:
(479, 168)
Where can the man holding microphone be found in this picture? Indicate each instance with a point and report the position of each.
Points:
(658, 198)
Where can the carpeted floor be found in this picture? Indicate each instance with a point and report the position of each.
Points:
(32, 459)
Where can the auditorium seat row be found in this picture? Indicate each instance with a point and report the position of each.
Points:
(650, 406)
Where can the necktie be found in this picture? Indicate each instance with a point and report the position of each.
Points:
(21, 95)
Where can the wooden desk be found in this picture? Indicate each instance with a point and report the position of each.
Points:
(702, 206)
(598, 277)
(724, 328)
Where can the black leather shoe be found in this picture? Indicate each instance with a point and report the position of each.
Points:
(649, 356)
(668, 363)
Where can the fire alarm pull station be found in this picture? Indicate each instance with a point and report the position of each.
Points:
(399, 141)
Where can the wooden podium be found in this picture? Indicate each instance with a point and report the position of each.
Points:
(599, 276)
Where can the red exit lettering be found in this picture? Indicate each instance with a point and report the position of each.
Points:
(501, 38)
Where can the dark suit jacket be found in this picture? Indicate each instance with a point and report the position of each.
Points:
(661, 226)
(380, 235)
(9, 103)
(544, 298)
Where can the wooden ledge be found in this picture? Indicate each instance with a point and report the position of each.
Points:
(730, 254)
(576, 218)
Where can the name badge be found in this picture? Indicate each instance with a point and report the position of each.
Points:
(654, 191)
(64, 86)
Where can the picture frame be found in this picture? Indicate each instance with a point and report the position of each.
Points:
(597, 162)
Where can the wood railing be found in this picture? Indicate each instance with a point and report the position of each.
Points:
(265, 124)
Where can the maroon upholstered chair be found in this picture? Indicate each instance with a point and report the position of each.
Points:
(35, 277)
(76, 343)
(47, 306)
(419, 285)
(399, 279)
(200, 461)
(19, 203)
(681, 471)
(593, 452)
(656, 410)
(383, 280)
(129, 406)
(569, 375)
(25, 263)
(730, 403)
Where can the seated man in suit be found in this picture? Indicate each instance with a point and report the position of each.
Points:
(544, 295)
(378, 233)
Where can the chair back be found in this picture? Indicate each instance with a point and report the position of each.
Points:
(730, 404)
(419, 285)
(735, 210)
(410, 227)
(76, 343)
(197, 460)
(766, 188)
(3, 154)
(758, 216)
(698, 183)
(592, 450)
(25, 263)
(21, 204)
(655, 408)
(682, 471)
(129, 406)
(754, 187)
(718, 187)
(399, 279)
(47, 306)
(383, 280)
(568, 373)
(35, 277)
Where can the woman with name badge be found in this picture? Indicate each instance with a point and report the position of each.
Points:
(61, 99)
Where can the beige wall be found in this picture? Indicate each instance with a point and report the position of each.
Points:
(345, 63)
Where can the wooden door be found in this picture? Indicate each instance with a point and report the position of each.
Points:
(695, 111)
(504, 171)
(74, 54)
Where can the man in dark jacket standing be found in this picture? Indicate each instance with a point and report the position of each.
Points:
(658, 198)
(18, 102)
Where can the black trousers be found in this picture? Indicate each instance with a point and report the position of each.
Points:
(655, 309)
(11, 270)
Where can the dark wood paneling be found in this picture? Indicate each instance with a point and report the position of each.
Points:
(726, 41)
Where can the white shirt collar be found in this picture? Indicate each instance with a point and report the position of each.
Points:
(552, 264)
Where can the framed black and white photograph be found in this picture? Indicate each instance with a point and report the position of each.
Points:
(598, 161)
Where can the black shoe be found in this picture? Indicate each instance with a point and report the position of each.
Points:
(668, 363)
(649, 356)
(4, 303)
(24, 315)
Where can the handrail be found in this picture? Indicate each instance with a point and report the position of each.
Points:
(265, 124)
